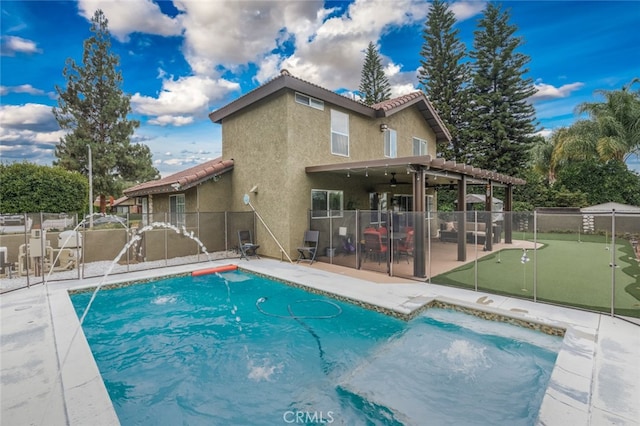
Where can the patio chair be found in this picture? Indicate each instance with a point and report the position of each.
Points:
(373, 245)
(309, 249)
(405, 246)
(246, 246)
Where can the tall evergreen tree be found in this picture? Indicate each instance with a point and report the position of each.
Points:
(374, 85)
(445, 76)
(94, 109)
(503, 124)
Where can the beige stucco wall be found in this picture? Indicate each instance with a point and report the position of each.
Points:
(257, 140)
(210, 196)
(273, 141)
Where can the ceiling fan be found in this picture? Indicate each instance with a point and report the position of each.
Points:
(394, 182)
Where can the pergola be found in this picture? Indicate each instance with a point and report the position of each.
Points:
(423, 168)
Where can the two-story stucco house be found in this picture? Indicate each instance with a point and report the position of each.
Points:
(299, 153)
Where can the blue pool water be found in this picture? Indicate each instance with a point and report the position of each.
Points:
(243, 349)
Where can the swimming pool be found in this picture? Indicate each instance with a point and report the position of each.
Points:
(243, 349)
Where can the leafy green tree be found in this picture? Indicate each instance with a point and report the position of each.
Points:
(374, 85)
(30, 188)
(602, 182)
(535, 193)
(445, 76)
(94, 109)
(503, 121)
(538, 193)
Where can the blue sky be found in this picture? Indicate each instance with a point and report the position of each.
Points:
(181, 60)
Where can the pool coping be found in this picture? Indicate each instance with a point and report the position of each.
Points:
(595, 380)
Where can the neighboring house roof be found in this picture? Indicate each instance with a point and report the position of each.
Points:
(185, 179)
(480, 199)
(382, 109)
(122, 201)
(608, 207)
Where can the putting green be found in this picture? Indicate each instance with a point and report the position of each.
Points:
(566, 272)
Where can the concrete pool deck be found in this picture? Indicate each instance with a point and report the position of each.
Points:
(596, 379)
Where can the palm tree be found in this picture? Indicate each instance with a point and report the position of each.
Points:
(542, 156)
(617, 124)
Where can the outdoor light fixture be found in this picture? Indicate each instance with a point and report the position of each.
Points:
(366, 172)
(384, 127)
(348, 173)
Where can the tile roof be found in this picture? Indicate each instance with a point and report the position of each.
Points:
(119, 201)
(396, 102)
(421, 102)
(182, 180)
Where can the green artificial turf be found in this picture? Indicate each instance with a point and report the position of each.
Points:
(568, 271)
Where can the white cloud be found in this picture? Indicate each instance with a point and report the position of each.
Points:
(13, 44)
(464, 10)
(182, 97)
(332, 57)
(35, 117)
(329, 52)
(230, 35)
(392, 69)
(171, 120)
(172, 162)
(23, 88)
(545, 133)
(234, 33)
(402, 89)
(547, 91)
(269, 67)
(26, 137)
(130, 16)
(402, 82)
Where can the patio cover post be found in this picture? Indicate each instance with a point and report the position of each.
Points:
(488, 239)
(508, 217)
(462, 218)
(419, 195)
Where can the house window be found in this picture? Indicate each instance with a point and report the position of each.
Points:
(339, 133)
(390, 143)
(309, 101)
(176, 210)
(419, 146)
(326, 203)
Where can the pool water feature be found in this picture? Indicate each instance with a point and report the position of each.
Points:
(188, 350)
